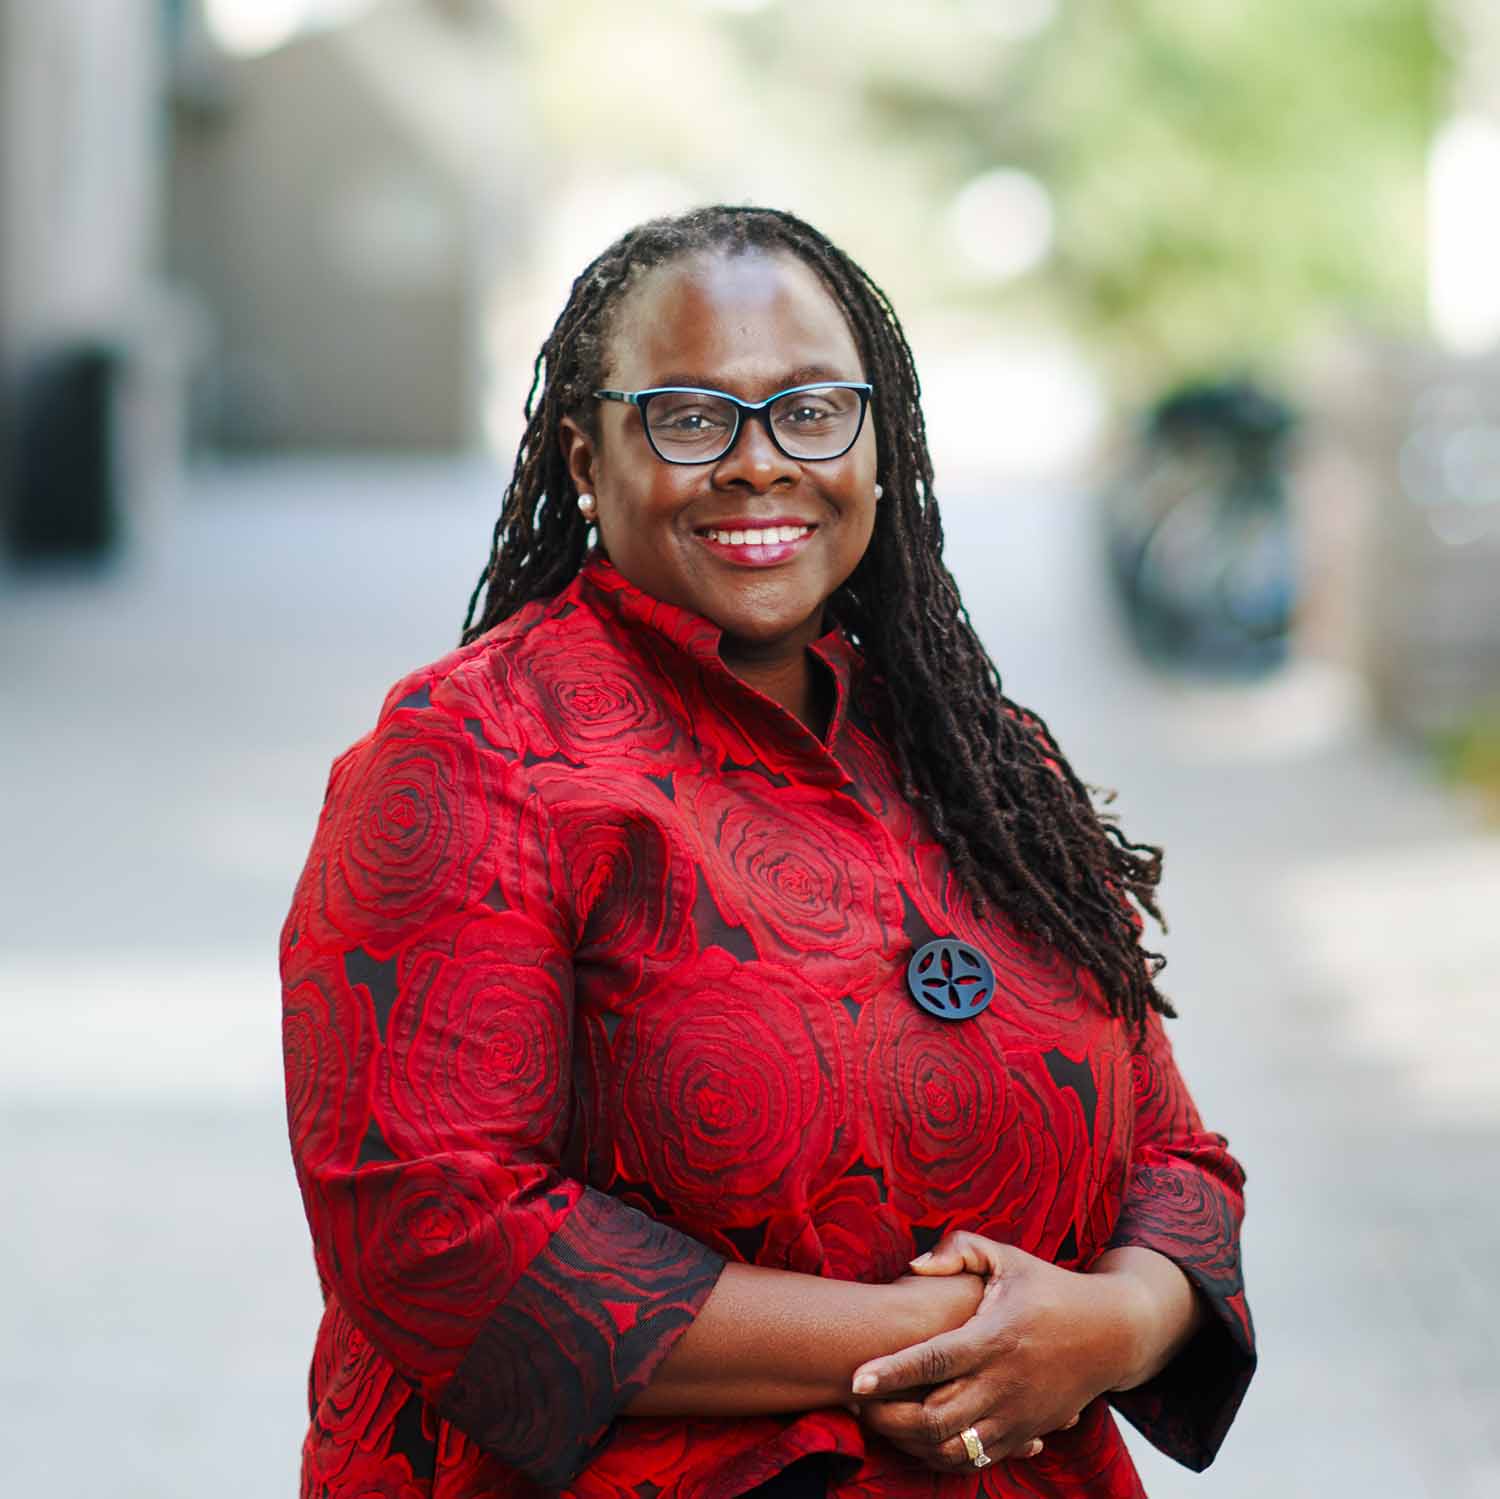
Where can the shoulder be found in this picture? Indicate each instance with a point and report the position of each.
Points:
(448, 732)
(569, 681)
(415, 815)
(500, 690)
(513, 667)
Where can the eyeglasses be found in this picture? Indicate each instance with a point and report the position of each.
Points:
(806, 422)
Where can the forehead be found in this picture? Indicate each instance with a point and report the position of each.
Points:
(743, 321)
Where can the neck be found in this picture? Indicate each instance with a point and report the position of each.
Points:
(782, 671)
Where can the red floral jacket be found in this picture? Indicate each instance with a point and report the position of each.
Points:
(595, 979)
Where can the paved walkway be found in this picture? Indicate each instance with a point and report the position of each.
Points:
(167, 733)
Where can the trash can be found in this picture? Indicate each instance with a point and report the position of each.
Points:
(65, 500)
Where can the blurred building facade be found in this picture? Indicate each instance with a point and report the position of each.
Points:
(1423, 420)
(81, 195)
(283, 251)
(337, 207)
(303, 247)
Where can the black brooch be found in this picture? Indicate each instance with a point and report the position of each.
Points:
(950, 979)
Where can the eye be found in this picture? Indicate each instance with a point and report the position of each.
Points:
(686, 418)
(819, 408)
(807, 411)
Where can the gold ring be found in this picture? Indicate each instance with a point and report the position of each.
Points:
(974, 1447)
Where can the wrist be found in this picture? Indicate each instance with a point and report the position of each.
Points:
(1126, 1321)
(1153, 1311)
(924, 1305)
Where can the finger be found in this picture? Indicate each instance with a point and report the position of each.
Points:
(925, 1425)
(932, 1429)
(898, 1421)
(936, 1361)
(958, 1252)
(901, 1423)
(953, 1456)
(1071, 1422)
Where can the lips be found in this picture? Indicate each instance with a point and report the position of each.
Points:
(756, 542)
(757, 530)
(755, 535)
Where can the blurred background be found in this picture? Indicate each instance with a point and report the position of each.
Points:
(1206, 301)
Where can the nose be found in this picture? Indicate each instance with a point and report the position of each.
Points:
(753, 458)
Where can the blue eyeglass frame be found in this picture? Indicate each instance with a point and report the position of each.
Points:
(757, 410)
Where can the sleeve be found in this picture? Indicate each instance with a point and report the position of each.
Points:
(427, 1031)
(1184, 1199)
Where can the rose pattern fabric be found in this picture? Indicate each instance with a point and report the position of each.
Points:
(594, 979)
(767, 852)
(730, 1085)
(459, 1061)
(407, 845)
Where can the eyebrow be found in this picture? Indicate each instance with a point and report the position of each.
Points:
(806, 374)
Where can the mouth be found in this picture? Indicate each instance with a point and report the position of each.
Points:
(759, 543)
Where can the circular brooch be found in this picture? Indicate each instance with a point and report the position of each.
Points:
(950, 979)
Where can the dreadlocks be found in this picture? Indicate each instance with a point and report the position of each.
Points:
(1019, 826)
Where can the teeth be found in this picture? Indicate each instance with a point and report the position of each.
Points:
(763, 537)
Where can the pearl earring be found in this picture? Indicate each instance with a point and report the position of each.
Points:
(588, 506)
(879, 491)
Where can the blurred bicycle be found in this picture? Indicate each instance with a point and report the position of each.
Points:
(1200, 534)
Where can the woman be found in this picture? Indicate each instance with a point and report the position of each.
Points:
(706, 939)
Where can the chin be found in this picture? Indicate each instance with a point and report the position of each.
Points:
(764, 632)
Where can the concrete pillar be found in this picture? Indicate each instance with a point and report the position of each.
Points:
(81, 179)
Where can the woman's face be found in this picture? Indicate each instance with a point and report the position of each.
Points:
(750, 325)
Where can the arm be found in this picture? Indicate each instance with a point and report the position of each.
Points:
(427, 965)
(427, 1024)
(1160, 1309)
(1184, 1201)
(773, 1340)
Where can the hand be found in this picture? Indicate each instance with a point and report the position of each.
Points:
(930, 1303)
(1042, 1344)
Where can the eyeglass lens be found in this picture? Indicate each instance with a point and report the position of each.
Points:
(697, 427)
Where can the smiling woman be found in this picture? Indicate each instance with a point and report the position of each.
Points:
(720, 1053)
(755, 325)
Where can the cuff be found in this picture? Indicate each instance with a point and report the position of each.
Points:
(1186, 1410)
(578, 1337)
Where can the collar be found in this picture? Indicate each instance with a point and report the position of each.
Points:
(616, 596)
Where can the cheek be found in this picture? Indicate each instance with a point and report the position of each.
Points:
(631, 480)
(855, 538)
(638, 529)
(638, 501)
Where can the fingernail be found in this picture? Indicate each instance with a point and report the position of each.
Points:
(921, 1259)
(864, 1383)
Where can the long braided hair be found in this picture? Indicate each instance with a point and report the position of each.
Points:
(1016, 821)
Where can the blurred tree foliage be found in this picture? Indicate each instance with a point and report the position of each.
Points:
(1228, 177)
(1470, 755)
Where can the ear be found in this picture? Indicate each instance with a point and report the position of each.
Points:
(580, 453)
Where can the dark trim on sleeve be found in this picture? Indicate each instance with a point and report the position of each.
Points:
(1186, 1410)
(578, 1337)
